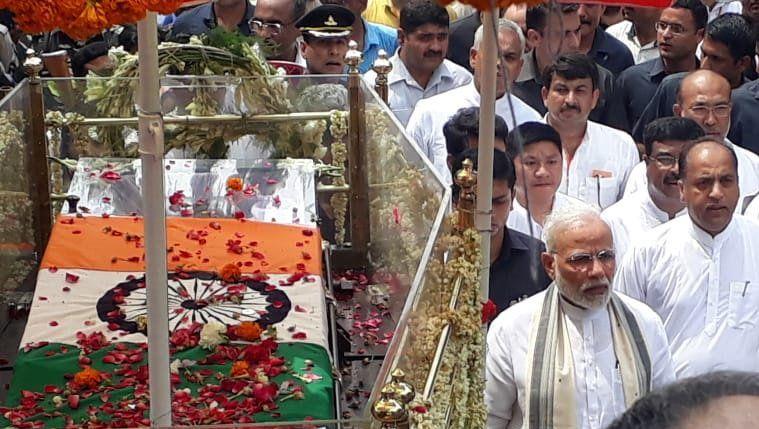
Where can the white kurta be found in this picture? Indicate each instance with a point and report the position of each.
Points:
(748, 175)
(752, 211)
(604, 149)
(706, 290)
(404, 92)
(631, 218)
(517, 220)
(598, 382)
(425, 126)
(625, 33)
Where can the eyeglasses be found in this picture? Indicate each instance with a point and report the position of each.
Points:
(666, 160)
(585, 260)
(673, 27)
(273, 28)
(719, 111)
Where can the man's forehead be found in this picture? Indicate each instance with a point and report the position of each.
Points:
(668, 146)
(572, 83)
(508, 41)
(430, 28)
(273, 9)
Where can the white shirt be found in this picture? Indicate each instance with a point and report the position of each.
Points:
(752, 211)
(425, 126)
(598, 384)
(517, 220)
(748, 175)
(723, 7)
(604, 149)
(625, 33)
(706, 290)
(631, 217)
(404, 92)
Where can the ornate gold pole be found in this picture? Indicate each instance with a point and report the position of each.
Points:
(466, 178)
(36, 156)
(391, 409)
(357, 155)
(382, 66)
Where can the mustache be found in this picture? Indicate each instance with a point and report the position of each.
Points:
(585, 22)
(433, 54)
(568, 106)
(592, 284)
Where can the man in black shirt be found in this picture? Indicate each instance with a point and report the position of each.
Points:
(596, 43)
(230, 14)
(515, 268)
(679, 31)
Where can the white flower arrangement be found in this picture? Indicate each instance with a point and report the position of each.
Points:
(212, 334)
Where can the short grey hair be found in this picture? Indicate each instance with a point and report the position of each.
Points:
(503, 25)
(566, 217)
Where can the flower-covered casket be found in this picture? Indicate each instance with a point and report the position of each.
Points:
(305, 239)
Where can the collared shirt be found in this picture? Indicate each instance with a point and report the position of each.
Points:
(631, 217)
(610, 53)
(517, 273)
(202, 18)
(517, 220)
(404, 92)
(637, 85)
(624, 31)
(598, 384)
(608, 111)
(382, 12)
(723, 7)
(425, 126)
(706, 290)
(461, 39)
(748, 175)
(376, 37)
(604, 149)
(752, 210)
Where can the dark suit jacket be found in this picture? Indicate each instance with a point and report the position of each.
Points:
(461, 39)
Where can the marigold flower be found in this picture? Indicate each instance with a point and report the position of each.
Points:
(234, 183)
(88, 378)
(248, 331)
(230, 273)
(239, 369)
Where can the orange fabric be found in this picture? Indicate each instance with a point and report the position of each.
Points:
(106, 244)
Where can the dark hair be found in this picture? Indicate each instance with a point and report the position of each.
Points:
(417, 13)
(571, 67)
(503, 168)
(299, 8)
(670, 128)
(86, 54)
(682, 162)
(537, 16)
(529, 133)
(735, 32)
(465, 124)
(668, 408)
(697, 10)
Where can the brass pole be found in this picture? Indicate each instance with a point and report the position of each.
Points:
(36, 157)
(382, 66)
(357, 154)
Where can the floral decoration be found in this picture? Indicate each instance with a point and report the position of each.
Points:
(82, 19)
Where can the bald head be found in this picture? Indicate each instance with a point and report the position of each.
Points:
(704, 96)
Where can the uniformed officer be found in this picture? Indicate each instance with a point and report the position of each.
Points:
(325, 30)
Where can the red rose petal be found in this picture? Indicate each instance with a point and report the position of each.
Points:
(53, 323)
(300, 309)
(308, 232)
(52, 269)
(299, 336)
(76, 231)
(277, 304)
(67, 221)
(239, 214)
(215, 225)
(71, 278)
(43, 298)
(66, 289)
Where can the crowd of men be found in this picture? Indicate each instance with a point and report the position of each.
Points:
(625, 225)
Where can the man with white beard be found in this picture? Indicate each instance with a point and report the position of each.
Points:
(578, 354)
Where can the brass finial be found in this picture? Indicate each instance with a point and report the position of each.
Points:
(382, 67)
(466, 179)
(387, 410)
(353, 57)
(32, 65)
(402, 391)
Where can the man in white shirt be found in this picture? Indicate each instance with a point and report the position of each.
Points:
(752, 208)
(578, 354)
(699, 272)
(535, 148)
(597, 159)
(420, 69)
(704, 96)
(660, 202)
(426, 123)
(638, 32)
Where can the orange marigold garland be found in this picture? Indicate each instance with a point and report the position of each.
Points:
(88, 378)
(230, 273)
(82, 19)
(247, 331)
(239, 369)
(490, 4)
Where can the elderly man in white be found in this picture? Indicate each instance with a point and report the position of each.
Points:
(430, 115)
(578, 354)
(704, 96)
(700, 272)
(420, 69)
(597, 159)
(660, 202)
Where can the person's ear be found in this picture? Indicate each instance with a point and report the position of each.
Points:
(534, 37)
(681, 187)
(544, 95)
(646, 159)
(677, 110)
(700, 35)
(549, 263)
(744, 63)
(596, 96)
(302, 47)
(449, 160)
(401, 38)
(473, 58)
